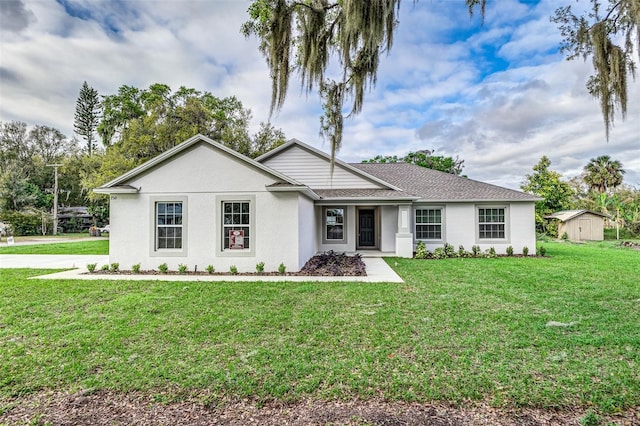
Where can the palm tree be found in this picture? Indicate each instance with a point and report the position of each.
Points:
(603, 173)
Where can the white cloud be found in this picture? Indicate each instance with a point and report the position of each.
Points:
(497, 95)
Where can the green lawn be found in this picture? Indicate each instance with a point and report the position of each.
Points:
(77, 247)
(457, 331)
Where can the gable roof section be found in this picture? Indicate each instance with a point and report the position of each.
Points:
(566, 215)
(433, 185)
(372, 182)
(119, 184)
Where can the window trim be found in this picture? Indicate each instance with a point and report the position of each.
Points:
(219, 216)
(442, 223)
(326, 240)
(154, 251)
(507, 231)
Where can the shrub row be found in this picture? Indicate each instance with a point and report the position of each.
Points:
(182, 268)
(448, 251)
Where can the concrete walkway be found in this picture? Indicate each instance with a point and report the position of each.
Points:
(377, 270)
(51, 261)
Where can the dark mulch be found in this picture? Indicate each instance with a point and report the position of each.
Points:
(334, 264)
(109, 408)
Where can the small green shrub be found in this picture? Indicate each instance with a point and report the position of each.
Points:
(115, 267)
(525, 251)
(475, 250)
(282, 268)
(260, 267)
(104, 267)
(421, 251)
(490, 253)
(233, 269)
(542, 250)
(565, 237)
(509, 251)
(163, 268)
(210, 269)
(439, 253)
(91, 267)
(182, 268)
(135, 268)
(449, 251)
(461, 251)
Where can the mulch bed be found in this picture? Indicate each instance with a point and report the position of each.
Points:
(110, 408)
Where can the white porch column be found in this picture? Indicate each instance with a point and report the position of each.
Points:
(404, 236)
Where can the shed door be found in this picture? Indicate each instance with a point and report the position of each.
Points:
(585, 229)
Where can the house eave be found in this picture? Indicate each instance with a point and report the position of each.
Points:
(124, 189)
(305, 190)
(365, 200)
(477, 200)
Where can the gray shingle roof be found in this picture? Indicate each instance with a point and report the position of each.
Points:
(433, 185)
(363, 193)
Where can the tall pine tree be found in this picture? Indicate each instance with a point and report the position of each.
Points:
(87, 115)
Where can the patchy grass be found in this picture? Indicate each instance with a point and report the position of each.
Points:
(459, 330)
(76, 247)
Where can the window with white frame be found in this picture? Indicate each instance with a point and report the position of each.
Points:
(334, 223)
(236, 216)
(169, 225)
(491, 223)
(428, 222)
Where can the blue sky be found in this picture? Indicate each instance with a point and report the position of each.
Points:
(498, 95)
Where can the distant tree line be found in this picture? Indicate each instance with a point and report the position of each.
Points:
(117, 132)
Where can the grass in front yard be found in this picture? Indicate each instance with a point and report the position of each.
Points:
(78, 247)
(458, 330)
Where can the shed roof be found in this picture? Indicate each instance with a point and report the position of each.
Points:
(566, 215)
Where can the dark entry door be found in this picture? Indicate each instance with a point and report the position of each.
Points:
(366, 228)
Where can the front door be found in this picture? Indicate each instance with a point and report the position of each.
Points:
(366, 228)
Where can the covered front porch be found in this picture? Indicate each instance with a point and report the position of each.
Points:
(373, 230)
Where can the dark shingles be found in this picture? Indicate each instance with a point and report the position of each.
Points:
(433, 185)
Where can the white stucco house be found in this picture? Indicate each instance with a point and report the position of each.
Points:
(201, 203)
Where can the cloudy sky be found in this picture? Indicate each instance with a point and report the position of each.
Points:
(498, 95)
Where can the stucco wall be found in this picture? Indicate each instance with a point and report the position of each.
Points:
(389, 227)
(202, 177)
(308, 242)
(461, 227)
(349, 245)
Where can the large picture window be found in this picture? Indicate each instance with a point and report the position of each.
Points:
(334, 223)
(491, 223)
(169, 225)
(428, 224)
(236, 216)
